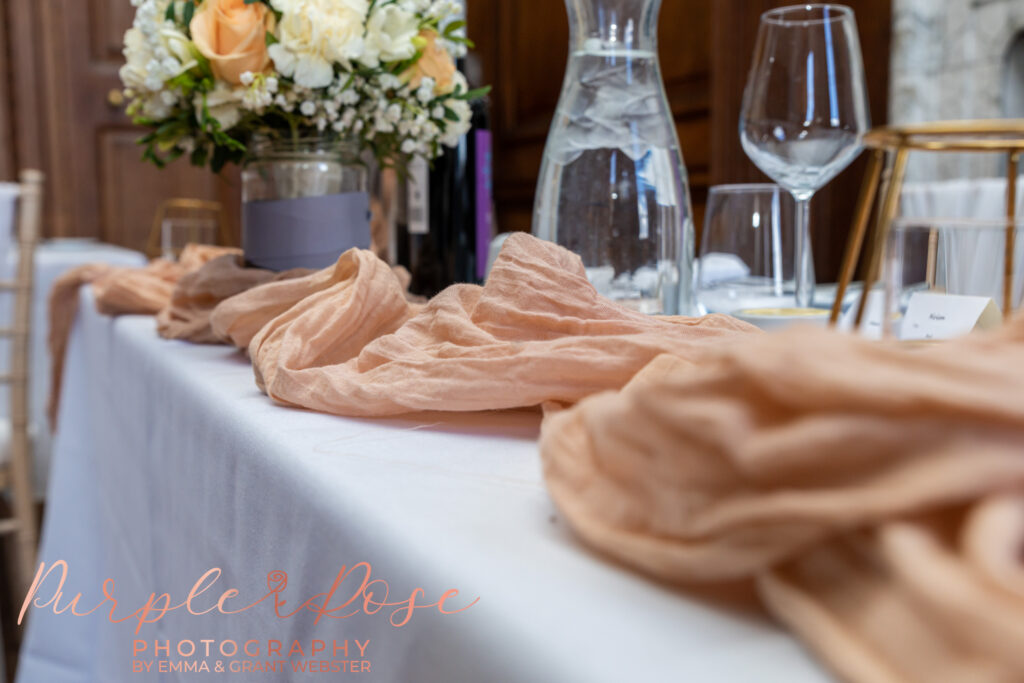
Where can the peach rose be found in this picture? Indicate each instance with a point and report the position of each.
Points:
(232, 35)
(435, 63)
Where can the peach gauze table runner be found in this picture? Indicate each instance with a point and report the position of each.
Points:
(538, 331)
(874, 494)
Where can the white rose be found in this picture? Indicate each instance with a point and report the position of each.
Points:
(389, 34)
(179, 47)
(314, 35)
(224, 103)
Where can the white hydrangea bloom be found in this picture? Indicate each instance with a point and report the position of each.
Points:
(389, 34)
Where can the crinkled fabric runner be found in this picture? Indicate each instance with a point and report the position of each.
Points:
(874, 494)
(196, 294)
(118, 291)
(536, 332)
(237, 320)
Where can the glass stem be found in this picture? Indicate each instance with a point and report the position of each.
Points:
(804, 257)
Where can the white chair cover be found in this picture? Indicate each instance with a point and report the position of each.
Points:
(969, 264)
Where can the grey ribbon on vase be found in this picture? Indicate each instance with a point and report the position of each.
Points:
(307, 232)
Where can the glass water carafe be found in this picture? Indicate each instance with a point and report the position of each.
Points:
(612, 185)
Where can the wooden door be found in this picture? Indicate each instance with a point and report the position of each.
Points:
(65, 78)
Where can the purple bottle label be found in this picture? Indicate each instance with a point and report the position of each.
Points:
(484, 204)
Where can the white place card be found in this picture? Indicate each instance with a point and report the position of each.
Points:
(944, 316)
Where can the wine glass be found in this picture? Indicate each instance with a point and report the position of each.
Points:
(177, 231)
(746, 248)
(805, 109)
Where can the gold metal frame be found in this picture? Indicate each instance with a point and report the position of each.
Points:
(890, 150)
(153, 246)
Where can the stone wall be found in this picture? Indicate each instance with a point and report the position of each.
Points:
(951, 59)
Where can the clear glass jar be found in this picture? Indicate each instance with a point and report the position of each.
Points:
(304, 202)
(612, 186)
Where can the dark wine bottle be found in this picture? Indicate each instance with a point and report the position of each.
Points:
(447, 224)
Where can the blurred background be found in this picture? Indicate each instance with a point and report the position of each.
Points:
(925, 60)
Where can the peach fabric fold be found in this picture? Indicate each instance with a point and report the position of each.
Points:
(196, 295)
(237, 319)
(117, 291)
(536, 332)
(874, 494)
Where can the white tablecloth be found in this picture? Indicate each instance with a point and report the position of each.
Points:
(169, 462)
(53, 258)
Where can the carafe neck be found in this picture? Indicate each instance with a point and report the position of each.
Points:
(613, 25)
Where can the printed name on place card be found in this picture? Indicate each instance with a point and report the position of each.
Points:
(944, 316)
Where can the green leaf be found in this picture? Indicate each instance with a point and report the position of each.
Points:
(474, 94)
(220, 158)
(190, 9)
(169, 14)
(270, 38)
(150, 156)
(173, 155)
(167, 130)
(199, 155)
(451, 115)
(453, 27)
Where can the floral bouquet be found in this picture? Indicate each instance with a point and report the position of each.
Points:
(206, 76)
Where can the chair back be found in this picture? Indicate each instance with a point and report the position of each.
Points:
(18, 469)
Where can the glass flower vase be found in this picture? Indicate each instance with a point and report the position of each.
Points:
(304, 202)
(612, 186)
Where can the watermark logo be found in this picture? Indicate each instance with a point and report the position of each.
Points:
(354, 591)
(251, 656)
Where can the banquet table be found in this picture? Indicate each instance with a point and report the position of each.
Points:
(52, 259)
(169, 462)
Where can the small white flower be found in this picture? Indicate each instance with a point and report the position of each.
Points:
(390, 82)
(308, 108)
(247, 78)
